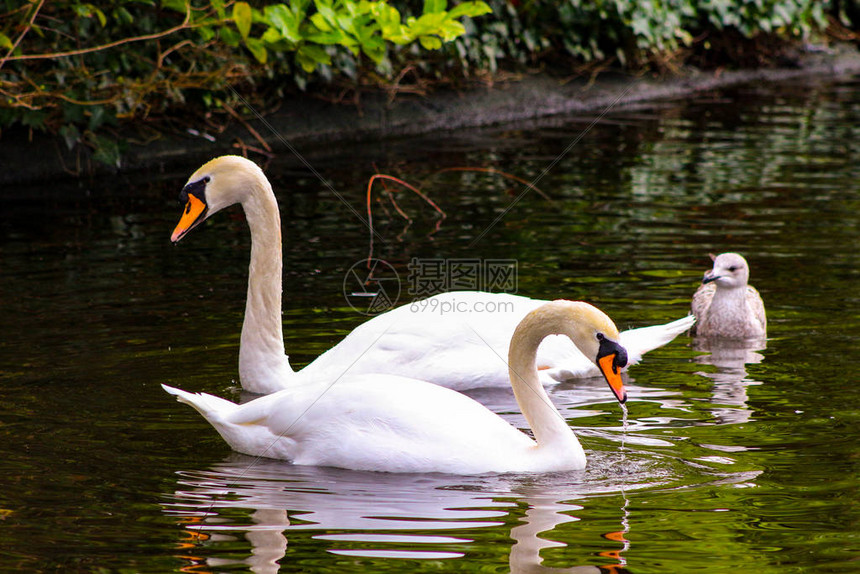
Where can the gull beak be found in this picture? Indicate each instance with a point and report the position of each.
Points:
(194, 214)
(611, 358)
(709, 276)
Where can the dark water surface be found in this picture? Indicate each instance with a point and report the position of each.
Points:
(732, 461)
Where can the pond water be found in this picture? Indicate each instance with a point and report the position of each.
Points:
(730, 461)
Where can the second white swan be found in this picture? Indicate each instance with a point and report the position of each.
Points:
(458, 350)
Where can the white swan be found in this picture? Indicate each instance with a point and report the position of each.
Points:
(725, 305)
(459, 350)
(396, 424)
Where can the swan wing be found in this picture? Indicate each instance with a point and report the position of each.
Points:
(457, 340)
(443, 340)
(644, 339)
(395, 424)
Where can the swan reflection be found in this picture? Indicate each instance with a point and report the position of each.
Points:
(378, 515)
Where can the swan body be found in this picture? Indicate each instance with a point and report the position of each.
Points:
(397, 424)
(458, 350)
(725, 305)
(467, 351)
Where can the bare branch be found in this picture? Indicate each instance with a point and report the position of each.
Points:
(186, 23)
(23, 33)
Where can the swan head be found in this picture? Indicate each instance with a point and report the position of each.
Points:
(219, 183)
(593, 333)
(730, 271)
(598, 338)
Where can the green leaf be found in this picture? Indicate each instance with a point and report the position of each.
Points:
(97, 117)
(471, 9)
(301, 81)
(70, 135)
(229, 36)
(435, 6)
(374, 48)
(99, 14)
(327, 13)
(321, 23)
(451, 30)
(309, 57)
(88, 11)
(219, 9)
(123, 15)
(106, 150)
(427, 24)
(346, 22)
(257, 48)
(430, 42)
(242, 17)
(177, 5)
(271, 36)
(206, 33)
(285, 21)
(33, 118)
(388, 19)
(315, 54)
(5, 41)
(328, 38)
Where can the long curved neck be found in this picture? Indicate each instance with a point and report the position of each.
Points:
(263, 366)
(544, 419)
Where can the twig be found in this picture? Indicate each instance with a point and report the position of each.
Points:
(23, 33)
(395, 88)
(184, 25)
(246, 148)
(248, 127)
(397, 207)
(382, 177)
(390, 195)
(418, 192)
(170, 50)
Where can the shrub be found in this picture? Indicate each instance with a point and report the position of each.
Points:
(77, 68)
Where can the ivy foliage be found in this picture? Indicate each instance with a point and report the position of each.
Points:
(78, 68)
(359, 27)
(632, 32)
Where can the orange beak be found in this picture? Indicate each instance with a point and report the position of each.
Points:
(195, 210)
(613, 376)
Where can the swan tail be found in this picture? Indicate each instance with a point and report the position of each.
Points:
(211, 407)
(678, 326)
(243, 427)
(640, 341)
